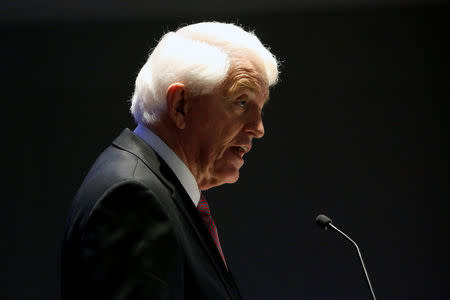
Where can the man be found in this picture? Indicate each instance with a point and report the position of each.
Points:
(139, 227)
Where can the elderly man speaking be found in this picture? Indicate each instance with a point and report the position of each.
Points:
(139, 227)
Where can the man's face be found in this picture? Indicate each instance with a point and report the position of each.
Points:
(222, 125)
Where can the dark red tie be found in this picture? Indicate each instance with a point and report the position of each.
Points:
(203, 208)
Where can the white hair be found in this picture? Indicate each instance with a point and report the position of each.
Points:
(199, 56)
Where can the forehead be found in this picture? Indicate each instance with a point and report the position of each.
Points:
(246, 75)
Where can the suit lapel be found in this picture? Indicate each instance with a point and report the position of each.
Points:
(128, 141)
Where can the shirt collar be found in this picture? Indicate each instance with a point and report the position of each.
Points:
(182, 172)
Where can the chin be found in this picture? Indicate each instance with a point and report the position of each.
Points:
(225, 172)
(230, 177)
(233, 179)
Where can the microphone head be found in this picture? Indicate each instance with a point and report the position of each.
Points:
(323, 221)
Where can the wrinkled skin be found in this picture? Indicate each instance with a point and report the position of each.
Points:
(220, 126)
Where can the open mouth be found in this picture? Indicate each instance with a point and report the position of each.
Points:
(239, 150)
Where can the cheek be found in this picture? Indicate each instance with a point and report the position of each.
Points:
(211, 143)
(221, 131)
(218, 129)
(215, 144)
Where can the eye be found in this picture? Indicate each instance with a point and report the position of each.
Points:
(242, 103)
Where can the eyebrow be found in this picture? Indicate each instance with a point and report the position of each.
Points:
(243, 84)
(246, 84)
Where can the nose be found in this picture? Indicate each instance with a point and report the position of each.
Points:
(255, 126)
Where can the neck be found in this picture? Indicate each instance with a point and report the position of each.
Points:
(173, 137)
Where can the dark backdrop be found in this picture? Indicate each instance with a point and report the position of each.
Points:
(355, 129)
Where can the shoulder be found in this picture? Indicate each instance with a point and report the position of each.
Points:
(126, 238)
(118, 181)
(126, 203)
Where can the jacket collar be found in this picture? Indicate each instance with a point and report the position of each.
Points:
(129, 142)
(179, 168)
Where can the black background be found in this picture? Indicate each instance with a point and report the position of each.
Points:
(356, 129)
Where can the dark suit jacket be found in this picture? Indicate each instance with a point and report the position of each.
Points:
(134, 233)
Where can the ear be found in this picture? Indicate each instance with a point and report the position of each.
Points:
(177, 106)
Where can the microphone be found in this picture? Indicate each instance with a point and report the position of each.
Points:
(325, 222)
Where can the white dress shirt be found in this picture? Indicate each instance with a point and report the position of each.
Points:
(182, 172)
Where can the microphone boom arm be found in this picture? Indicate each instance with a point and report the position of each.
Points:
(330, 225)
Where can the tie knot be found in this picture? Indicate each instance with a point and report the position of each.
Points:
(203, 206)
